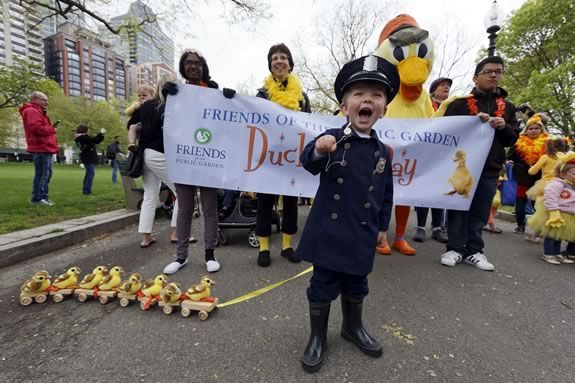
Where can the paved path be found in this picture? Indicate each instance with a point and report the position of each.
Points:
(512, 325)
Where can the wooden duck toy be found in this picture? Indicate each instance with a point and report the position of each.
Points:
(461, 179)
(199, 299)
(65, 284)
(108, 286)
(35, 289)
(170, 297)
(90, 282)
(151, 291)
(130, 289)
(202, 290)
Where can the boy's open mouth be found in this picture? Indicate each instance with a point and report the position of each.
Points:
(365, 113)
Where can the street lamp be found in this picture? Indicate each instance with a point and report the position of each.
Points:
(493, 20)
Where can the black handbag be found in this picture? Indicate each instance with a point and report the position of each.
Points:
(136, 163)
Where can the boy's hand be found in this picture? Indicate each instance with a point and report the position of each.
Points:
(381, 238)
(325, 144)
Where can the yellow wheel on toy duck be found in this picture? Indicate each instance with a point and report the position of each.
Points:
(185, 312)
(168, 310)
(203, 315)
(58, 298)
(41, 298)
(82, 297)
(25, 301)
(124, 302)
(103, 299)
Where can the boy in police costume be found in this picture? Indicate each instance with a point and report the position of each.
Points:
(352, 207)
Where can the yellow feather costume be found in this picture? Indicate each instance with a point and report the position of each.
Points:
(288, 96)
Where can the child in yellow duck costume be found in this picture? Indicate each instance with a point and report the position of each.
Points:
(404, 44)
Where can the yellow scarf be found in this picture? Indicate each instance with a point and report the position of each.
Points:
(288, 96)
(529, 149)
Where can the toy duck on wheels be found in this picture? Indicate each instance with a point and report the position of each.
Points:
(35, 289)
(65, 284)
(108, 286)
(198, 298)
(89, 284)
(131, 289)
(152, 290)
(404, 44)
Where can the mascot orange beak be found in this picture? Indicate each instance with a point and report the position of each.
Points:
(413, 71)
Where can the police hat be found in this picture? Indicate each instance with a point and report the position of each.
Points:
(367, 68)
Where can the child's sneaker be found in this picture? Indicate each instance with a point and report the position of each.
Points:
(563, 259)
(550, 259)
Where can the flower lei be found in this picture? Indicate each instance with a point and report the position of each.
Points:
(287, 96)
(530, 149)
(473, 109)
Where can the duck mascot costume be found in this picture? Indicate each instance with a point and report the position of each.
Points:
(404, 44)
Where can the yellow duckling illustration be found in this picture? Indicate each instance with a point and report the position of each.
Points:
(154, 287)
(92, 280)
(112, 280)
(171, 293)
(202, 290)
(461, 179)
(40, 282)
(68, 279)
(132, 285)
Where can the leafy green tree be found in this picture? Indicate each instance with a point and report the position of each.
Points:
(17, 82)
(537, 44)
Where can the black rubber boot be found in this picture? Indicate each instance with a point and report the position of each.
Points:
(317, 344)
(352, 327)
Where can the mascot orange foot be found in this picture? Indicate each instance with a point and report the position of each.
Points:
(385, 249)
(403, 247)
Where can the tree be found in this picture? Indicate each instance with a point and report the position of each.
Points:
(233, 10)
(537, 44)
(452, 44)
(347, 31)
(17, 82)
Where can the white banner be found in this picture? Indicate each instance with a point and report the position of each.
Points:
(251, 144)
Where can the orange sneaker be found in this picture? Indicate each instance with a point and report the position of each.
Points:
(403, 247)
(385, 249)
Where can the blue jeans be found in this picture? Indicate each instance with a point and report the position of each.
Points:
(42, 175)
(437, 216)
(114, 171)
(89, 178)
(464, 228)
(551, 246)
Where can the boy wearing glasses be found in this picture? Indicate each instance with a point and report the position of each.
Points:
(487, 101)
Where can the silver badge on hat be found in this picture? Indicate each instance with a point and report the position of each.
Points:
(370, 63)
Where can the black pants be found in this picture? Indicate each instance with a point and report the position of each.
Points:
(325, 285)
(264, 216)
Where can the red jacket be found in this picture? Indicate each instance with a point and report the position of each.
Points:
(40, 134)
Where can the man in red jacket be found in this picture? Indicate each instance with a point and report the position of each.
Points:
(42, 144)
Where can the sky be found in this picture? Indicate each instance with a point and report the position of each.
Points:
(237, 53)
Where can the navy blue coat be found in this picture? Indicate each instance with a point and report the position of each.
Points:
(353, 203)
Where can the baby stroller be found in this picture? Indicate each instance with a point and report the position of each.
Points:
(242, 215)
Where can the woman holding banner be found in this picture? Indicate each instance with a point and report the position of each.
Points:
(194, 69)
(285, 89)
(155, 172)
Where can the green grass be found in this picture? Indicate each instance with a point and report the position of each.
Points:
(16, 212)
